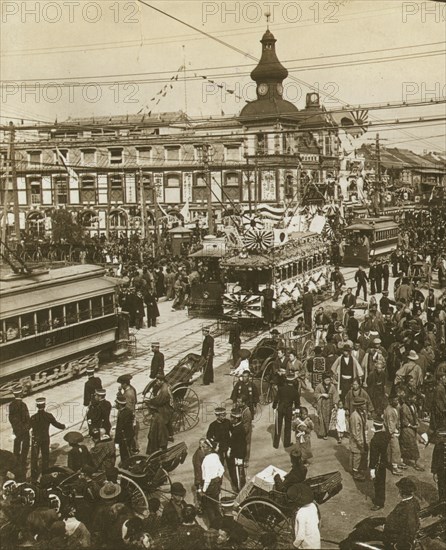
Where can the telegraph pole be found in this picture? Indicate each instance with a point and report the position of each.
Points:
(156, 219)
(15, 191)
(207, 172)
(142, 198)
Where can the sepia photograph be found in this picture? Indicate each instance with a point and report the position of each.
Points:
(223, 274)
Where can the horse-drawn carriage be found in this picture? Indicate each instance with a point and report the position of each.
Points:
(186, 403)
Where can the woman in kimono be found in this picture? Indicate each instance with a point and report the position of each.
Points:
(326, 395)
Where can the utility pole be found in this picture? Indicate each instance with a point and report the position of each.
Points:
(207, 173)
(376, 194)
(248, 180)
(15, 191)
(5, 204)
(156, 218)
(142, 198)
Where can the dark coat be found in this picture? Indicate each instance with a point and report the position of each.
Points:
(378, 450)
(207, 349)
(19, 417)
(172, 514)
(91, 385)
(406, 514)
(307, 301)
(287, 398)
(124, 427)
(104, 408)
(237, 442)
(157, 364)
(152, 305)
(78, 457)
(220, 432)
(40, 424)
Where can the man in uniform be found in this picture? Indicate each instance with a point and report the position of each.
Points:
(19, 420)
(237, 451)
(91, 385)
(104, 408)
(219, 433)
(124, 434)
(378, 462)
(163, 402)
(403, 522)
(247, 389)
(345, 369)
(40, 425)
(287, 399)
(361, 281)
(207, 351)
(157, 364)
(358, 439)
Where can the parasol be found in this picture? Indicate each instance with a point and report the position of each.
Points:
(73, 437)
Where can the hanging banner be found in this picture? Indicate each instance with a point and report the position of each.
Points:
(130, 188)
(187, 187)
(268, 185)
(159, 186)
(102, 189)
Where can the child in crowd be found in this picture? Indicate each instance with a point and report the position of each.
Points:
(341, 421)
(302, 426)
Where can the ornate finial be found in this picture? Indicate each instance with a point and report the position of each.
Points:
(268, 16)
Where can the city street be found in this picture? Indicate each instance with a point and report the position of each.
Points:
(179, 335)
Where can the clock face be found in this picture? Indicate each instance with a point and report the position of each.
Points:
(279, 89)
(262, 89)
(314, 98)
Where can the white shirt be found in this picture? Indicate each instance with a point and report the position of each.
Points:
(244, 365)
(306, 527)
(211, 467)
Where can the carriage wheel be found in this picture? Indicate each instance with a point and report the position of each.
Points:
(308, 349)
(268, 390)
(138, 500)
(186, 409)
(159, 486)
(261, 516)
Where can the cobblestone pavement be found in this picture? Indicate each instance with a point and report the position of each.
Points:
(180, 335)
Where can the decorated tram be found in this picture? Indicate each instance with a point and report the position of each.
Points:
(302, 260)
(54, 324)
(369, 238)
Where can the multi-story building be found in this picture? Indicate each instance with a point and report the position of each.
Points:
(107, 170)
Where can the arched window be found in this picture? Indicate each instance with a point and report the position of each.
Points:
(117, 219)
(200, 179)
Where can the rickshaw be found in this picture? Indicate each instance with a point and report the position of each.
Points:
(186, 404)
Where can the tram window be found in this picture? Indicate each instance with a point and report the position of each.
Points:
(12, 329)
(96, 304)
(84, 310)
(300, 267)
(108, 304)
(57, 319)
(43, 320)
(71, 310)
(27, 325)
(295, 269)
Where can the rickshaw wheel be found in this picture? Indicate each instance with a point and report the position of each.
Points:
(186, 409)
(260, 516)
(159, 486)
(268, 390)
(138, 500)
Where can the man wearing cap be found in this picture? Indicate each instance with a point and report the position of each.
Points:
(40, 425)
(410, 373)
(345, 369)
(438, 465)
(237, 451)
(20, 422)
(103, 454)
(91, 385)
(358, 439)
(372, 356)
(219, 433)
(361, 280)
(286, 400)
(403, 522)
(172, 516)
(378, 462)
(124, 433)
(163, 402)
(157, 364)
(246, 389)
(207, 352)
(104, 409)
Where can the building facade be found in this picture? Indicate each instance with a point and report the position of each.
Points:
(116, 174)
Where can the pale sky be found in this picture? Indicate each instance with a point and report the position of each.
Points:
(67, 41)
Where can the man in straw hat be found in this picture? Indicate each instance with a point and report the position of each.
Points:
(78, 455)
(378, 462)
(358, 439)
(157, 364)
(403, 522)
(286, 400)
(20, 422)
(40, 426)
(124, 433)
(237, 451)
(92, 384)
(207, 352)
(410, 373)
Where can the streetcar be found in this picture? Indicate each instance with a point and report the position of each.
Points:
(286, 268)
(54, 324)
(369, 238)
